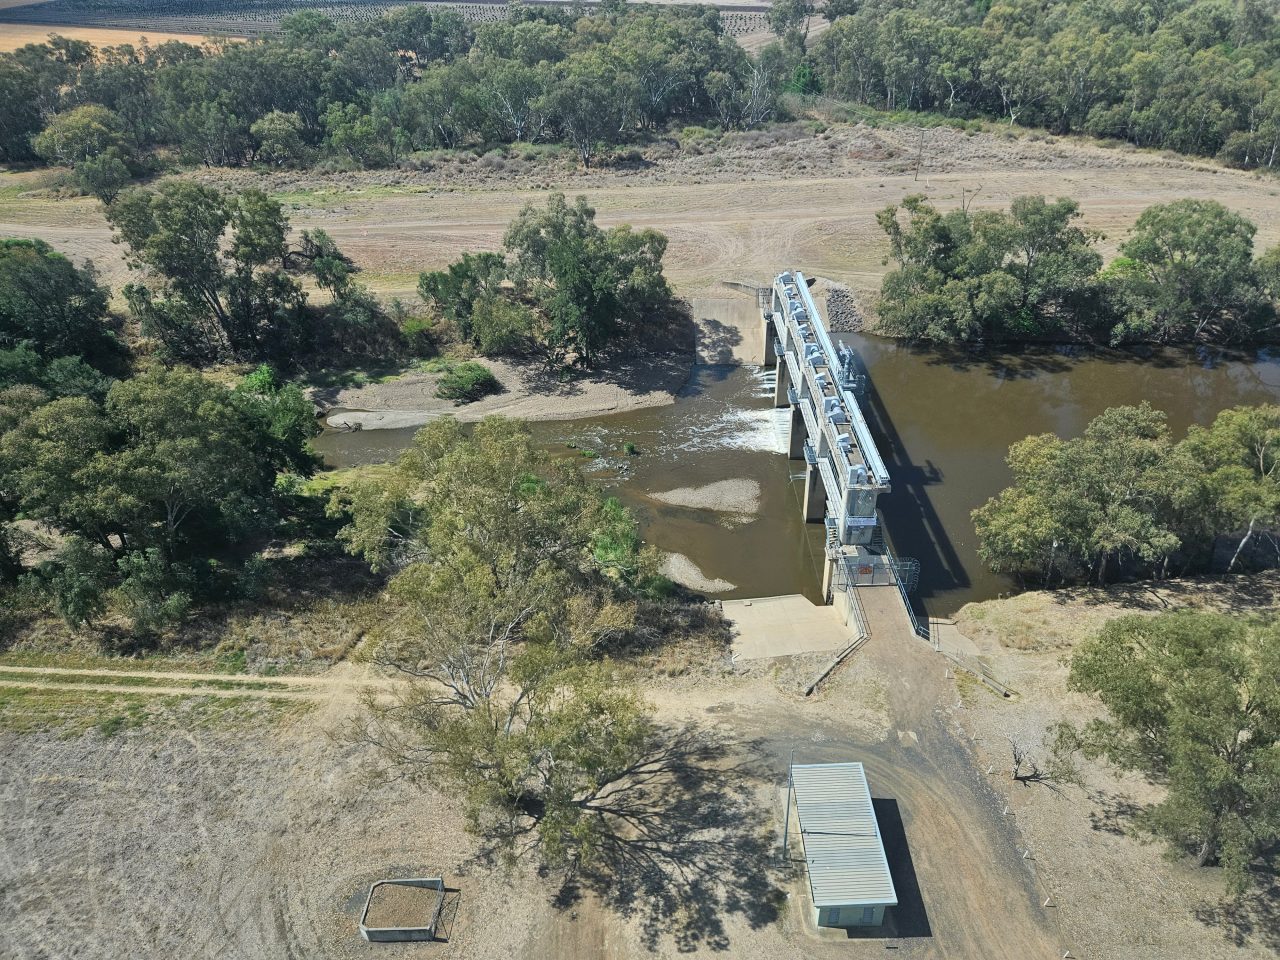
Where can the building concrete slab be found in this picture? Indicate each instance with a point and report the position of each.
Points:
(783, 627)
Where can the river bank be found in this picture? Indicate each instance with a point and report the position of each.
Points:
(724, 330)
(529, 392)
(1081, 837)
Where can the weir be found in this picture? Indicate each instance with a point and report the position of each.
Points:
(845, 474)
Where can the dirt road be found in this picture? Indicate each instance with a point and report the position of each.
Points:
(964, 890)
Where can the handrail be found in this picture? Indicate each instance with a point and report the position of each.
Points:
(920, 631)
(870, 453)
(810, 419)
(820, 329)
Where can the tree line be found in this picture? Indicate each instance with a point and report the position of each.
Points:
(1186, 273)
(1126, 500)
(1196, 76)
(371, 94)
(148, 477)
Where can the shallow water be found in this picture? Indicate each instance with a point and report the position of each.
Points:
(945, 421)
(723, 426)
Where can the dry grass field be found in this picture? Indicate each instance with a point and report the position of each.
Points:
(15, 35)
(757, 203)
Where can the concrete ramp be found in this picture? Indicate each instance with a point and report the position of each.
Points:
(886, 613)
(783, 627)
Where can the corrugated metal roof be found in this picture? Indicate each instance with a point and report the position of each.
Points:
(842, 845)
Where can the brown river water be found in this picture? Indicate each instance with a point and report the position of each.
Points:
(944, 420)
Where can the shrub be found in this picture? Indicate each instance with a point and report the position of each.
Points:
(466, 382)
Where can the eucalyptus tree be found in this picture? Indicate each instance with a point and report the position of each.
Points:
(1193, 702)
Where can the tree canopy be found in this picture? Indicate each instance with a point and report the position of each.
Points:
(509, 578)
(220, 280)
(1193, 702)
(1196, 76)
(1185, 273)
(564, 287)
(369, 94)
(1125, 499)
(165, 471)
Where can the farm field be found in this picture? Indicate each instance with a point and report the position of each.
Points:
(253, 17)
(739, 212)
(15, 35)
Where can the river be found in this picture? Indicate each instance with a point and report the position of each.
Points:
(945, 421)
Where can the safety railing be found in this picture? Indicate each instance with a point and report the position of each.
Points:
(921, 630)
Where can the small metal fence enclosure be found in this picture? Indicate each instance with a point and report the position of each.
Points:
(404, 926)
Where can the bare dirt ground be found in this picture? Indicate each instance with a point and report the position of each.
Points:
(741, 211)
(259, 836)
(529, 392)
(1115, 893)
(261, 839)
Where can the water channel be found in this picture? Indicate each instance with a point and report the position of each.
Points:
(945, 421)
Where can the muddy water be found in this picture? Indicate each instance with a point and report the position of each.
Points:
(945, 422)
(723, 427)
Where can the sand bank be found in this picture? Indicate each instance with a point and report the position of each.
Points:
(739, 495)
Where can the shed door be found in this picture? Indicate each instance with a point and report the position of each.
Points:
(868, 915)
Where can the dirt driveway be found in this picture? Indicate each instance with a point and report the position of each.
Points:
(965, 891)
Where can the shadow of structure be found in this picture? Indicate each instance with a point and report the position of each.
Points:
(909, 919)
(912, 521)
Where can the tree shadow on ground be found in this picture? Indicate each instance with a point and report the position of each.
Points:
(717, 340)
(687, 845)
(1113, 813)
(1254, 916)
(1238, 593)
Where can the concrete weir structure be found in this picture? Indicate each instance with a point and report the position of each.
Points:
(845, 473)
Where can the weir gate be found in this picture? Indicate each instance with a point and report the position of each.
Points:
(844, 472)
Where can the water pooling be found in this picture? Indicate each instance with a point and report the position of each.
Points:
(944, 422)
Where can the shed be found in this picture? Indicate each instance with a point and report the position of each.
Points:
(849, 875)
